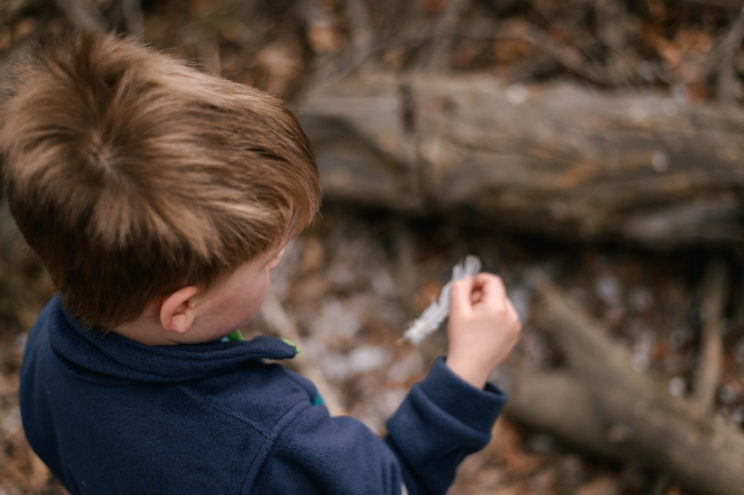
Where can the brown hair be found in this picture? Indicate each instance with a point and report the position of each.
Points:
(132, 174)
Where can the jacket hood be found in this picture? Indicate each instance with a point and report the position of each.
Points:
(110, 354)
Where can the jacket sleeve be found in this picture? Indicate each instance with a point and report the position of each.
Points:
(441, 420)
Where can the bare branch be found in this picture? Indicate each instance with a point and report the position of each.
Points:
(709, 369)
(284, 325)
(727, 84)
(447, 23)
(362, 35)
(601, 406)
(83, 14)
(132, 12)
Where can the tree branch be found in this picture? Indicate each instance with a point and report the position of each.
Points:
(709, 368)
(83, 14)
(603, 405)
(284, 325)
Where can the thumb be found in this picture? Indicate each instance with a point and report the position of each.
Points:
(460, 295)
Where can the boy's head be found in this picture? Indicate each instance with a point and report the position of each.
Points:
(132, 174)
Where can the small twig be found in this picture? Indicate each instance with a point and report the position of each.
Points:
(715, 3)
(729, 47)
(709, 370)
(447, 23)
(209, 54)
(307, 363)
(133, 20)
(404, 264)
(714, 294)
(567, 56)
(361, 33)
(661, 484)
(611, 19)
(83, 14)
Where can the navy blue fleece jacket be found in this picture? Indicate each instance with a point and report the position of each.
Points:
(109, 415)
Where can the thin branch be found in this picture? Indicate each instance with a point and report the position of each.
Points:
(133, 19)
(447, 23)
(361, 33)
(404, 264)
(567, 56)
(661, 484)
(727, 82)
(612, 25)
(209, 54)
(284, 325)
(716, 3)
(709, 370)
(580, 339)
(624, 411)
(83, 14)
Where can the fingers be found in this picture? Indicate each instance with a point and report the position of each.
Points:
(460, 291)
(516, 323)
(513, 310)
(491, 287)
(483, 289)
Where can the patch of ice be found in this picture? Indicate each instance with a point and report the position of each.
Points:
(578, 297)
(680, 336)
(738, 416)
(340, 367)
(659, 161)
(608, 289)
(520, 297)
(640, 299)
(12, 423)
(680, 93)
(641, 356)
(739, 351)
(403, 369)
(335, 366)
(516, 94)
(537, 347)
(636, 112)
(368, 358)
(728, 394)
(335, 321)
(677, 386)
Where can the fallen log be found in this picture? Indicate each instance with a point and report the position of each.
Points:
(600, 404)
(557, 159)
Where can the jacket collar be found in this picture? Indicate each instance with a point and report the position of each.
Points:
(116, 356)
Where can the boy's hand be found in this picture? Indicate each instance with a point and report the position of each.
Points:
(483, 327)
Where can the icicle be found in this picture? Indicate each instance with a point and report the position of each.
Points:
(435, 314)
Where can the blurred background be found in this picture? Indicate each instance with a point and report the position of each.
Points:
(588, 151)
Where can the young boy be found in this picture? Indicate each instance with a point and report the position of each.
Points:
(159, 199)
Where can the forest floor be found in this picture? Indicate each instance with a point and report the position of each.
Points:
(353, 282)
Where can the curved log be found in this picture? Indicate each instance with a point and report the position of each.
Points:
(558, 159)
(601, 404)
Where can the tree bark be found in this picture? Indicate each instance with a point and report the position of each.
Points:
(599, 403)
(558, 159)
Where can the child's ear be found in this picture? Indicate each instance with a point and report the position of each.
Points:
(177, 311)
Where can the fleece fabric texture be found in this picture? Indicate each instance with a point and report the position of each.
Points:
(112, 416)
